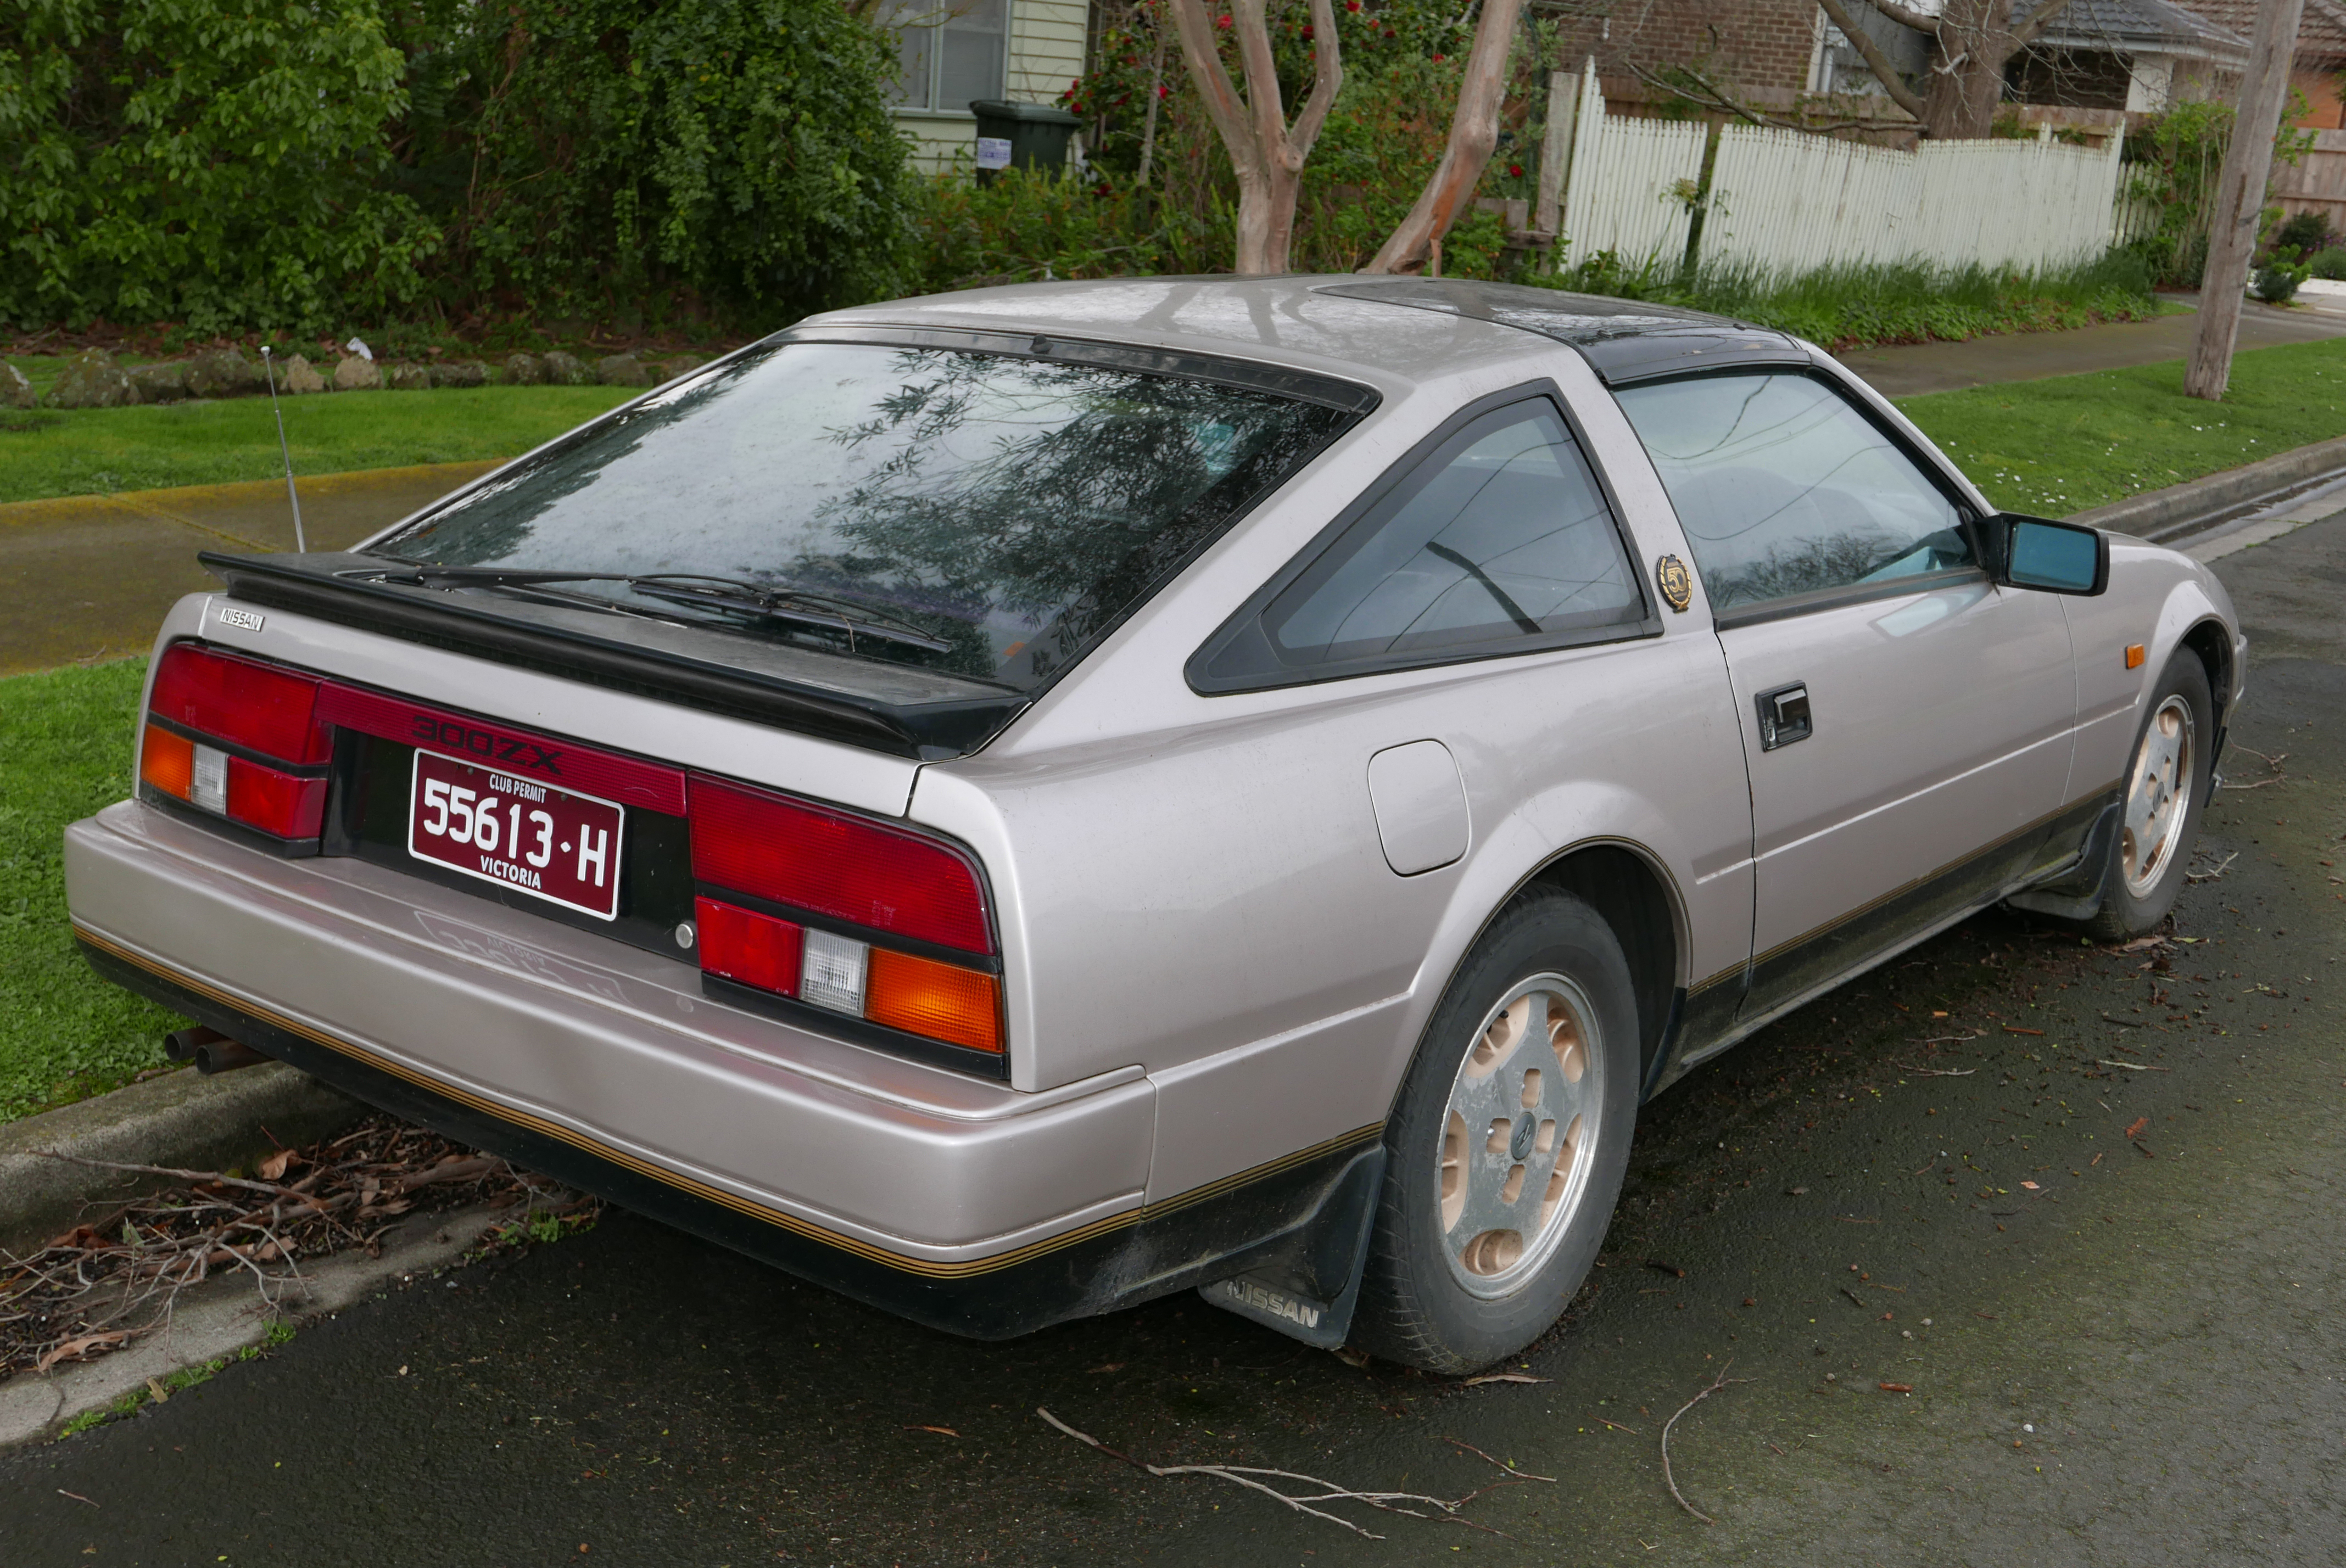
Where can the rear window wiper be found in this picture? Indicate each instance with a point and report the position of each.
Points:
(794, 606)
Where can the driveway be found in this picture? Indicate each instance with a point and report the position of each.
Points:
(2018, 1251)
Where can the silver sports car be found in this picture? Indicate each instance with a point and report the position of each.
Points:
(1020, 803)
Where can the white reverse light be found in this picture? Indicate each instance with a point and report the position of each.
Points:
(208, 786)
(832, 973)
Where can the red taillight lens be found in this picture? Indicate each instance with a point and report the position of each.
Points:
(262, 797)
(255, 706)
(829, 863)
(749, 947)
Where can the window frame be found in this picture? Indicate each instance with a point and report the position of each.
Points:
(1927, 464)
(1247, 618)
(936, 69)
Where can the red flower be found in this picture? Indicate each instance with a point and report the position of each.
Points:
(1437, 59)
(1307, 31)
(1351, 5)
(1164, 92)
(1222, 21)
(1515, 169)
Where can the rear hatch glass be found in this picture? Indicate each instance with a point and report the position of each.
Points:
(976, 514)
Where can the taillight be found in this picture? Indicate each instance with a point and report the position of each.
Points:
(207, 711)
(828, 863)
(827, 868)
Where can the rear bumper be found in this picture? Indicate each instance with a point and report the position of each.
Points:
(959, 1203)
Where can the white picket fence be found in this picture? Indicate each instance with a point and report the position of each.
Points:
(1624, 191)
(1784, 202)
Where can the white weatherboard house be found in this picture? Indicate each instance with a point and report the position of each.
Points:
(1027, 51)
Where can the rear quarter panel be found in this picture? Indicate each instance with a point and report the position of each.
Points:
(1197, 884)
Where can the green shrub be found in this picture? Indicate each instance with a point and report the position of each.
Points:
(2302, 234)
(2330, 264)
(216, 162)
(615, 159)
(2277, 284)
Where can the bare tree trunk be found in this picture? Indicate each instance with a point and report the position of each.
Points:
(1973, 41)
(2241, 197)
(1266, 154)
(1473, 133)
(1156, 98)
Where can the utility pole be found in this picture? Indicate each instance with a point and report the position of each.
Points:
(2240, 196)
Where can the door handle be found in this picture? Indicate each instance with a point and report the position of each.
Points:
(1784, 716)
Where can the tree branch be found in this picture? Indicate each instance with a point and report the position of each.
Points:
(1260, 69)
(1902, 16)
(1214, 85)
(2038, 20)
(1326, 81)
(1473, 133)
(1905, 96)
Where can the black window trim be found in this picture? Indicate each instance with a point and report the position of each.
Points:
(1250, 613)
(1926, 463)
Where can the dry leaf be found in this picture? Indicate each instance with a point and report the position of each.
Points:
(2140, 1123)
(274, 1167)
(1109, 1367)
(1349, 1357)
(73, 1349)
(1504, 1378)
(942, 1431)
(2032, 1186)
(1897, 1388)
(160, 1393)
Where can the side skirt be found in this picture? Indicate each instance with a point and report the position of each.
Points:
(1947, 899)
(1293, 1219)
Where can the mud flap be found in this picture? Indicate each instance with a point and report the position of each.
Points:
(2077, 893)
(1309, 1287)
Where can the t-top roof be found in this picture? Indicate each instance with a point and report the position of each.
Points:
(1623, 340)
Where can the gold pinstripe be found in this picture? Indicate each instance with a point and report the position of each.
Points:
(926, 1268)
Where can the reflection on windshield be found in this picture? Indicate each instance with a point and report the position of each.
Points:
(1012, 508)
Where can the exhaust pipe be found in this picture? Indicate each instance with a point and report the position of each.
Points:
(210, 1050)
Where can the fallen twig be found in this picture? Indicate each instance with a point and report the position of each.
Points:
(2131, 1066)
(100, 1286)
(1717, 1383)
(2123, 1024)
(1936, 1072)
(2221, 868)
(1503, 1464)
(1243, 1475)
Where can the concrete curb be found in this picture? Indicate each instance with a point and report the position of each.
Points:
(2157, 511)
(225, 1315)
(181, 1119)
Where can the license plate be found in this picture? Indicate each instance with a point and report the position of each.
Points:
(516, 832)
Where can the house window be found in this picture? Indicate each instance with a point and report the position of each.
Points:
(951, 51)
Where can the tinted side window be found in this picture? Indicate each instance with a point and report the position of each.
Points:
(1501, 536)
(1783, 487)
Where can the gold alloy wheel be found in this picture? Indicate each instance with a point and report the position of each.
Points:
(1519, 1137)
(2158, 796)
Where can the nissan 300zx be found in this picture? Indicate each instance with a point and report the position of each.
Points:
(1016, 803)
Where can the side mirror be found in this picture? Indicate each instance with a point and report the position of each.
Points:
(2052, 557)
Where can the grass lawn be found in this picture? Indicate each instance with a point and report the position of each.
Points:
(2057, 446)
(65, 751)
(83, 452)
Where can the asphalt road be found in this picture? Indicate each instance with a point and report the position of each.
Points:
(2136, 1359)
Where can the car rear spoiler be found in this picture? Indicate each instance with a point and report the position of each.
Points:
(925, 715)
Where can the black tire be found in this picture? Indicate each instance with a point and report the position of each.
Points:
(2127, 912)
(1414, 1306)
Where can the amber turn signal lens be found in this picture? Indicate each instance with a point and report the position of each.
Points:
(168, 761)
(2134, 656)
(940, 1001)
